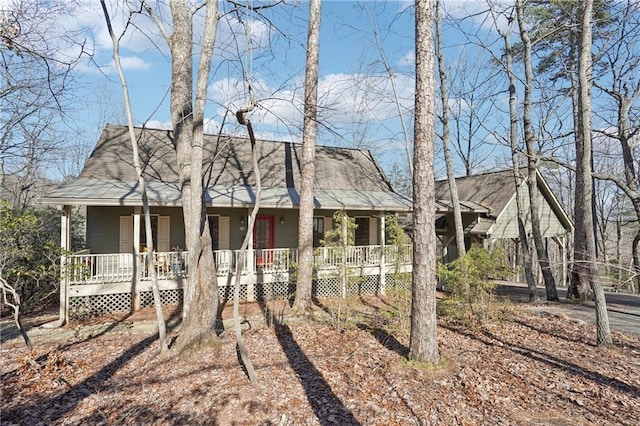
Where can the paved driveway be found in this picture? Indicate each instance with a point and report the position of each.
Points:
(623, 308)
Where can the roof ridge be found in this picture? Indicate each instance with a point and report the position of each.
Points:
(486, 172)
(226, 135)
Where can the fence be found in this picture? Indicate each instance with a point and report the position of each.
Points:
(99, 283)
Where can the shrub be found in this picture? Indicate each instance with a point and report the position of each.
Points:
(29, 258)
(468, 279)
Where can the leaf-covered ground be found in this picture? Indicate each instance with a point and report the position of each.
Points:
(524, 369)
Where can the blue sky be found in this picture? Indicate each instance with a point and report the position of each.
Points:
(366, 70)
(357, 106)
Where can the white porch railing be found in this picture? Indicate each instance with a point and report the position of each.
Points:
(123, 267)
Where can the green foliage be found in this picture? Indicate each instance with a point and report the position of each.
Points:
(29, 259)
(399, 241)
(468, 279)
(343, 232)
(398, 318)
(340, 238)
(555, 24)
(396, 236)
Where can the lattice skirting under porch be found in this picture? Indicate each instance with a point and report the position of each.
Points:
(401, 281)
(87, 306)
(167, 297)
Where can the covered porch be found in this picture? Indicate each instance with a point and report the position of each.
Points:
(111, 273)
(99, 283)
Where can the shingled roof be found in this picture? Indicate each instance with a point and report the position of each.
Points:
(491, 190)
(345, 178)
(494, 191)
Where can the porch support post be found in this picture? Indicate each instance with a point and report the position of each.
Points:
(65, 245)
(447, 240)
(138, 264)
(251, 261)
(344, 257)
(563, 281)
(383, 267)
(518, 258)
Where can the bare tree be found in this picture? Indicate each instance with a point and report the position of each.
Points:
(36, 74)
(302, 301)
(606, 195)
(584, 268)
(396, 98)
(382, 107)
(423, 344)
(444, 100)
(618, 68)
(556, 28)
(515, 159)
(532, 158)
(162, 330)
(472, 96)
(11, 299)
(242, 350)
(187, 116)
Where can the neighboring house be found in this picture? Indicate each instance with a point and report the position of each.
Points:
(346, 179)
(489, 215)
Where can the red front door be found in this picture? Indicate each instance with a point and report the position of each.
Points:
(263, 239)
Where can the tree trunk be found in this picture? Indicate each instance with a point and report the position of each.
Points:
(513, 140)
(577, 289)
(423, 344)
(157, 302)
(242, 350)
(532, 163)
(302, 303)
(11, 298)
(619, 244)
(444, 98)
(636, 259)
(633, 192)
(585, 187)
(201, 290)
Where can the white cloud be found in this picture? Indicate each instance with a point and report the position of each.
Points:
(134, 63)
(344, 99)
(82, 23)
(408, 59)
(364, 97)
(478, 12)
(141, 35)
(211, 126)
(158, 124)
(236, 38)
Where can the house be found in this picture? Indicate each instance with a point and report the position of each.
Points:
(489, 216)
(112, 271)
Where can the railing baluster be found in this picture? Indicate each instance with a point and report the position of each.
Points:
(119, 267)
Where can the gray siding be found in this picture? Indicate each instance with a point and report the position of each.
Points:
(103, 225)
(507, 225)
(103, 228)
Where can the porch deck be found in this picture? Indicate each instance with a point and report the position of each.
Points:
(114, 282)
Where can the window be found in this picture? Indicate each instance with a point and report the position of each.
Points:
(362, 231)
(154, 232)
(318, 230)
(214, 230)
